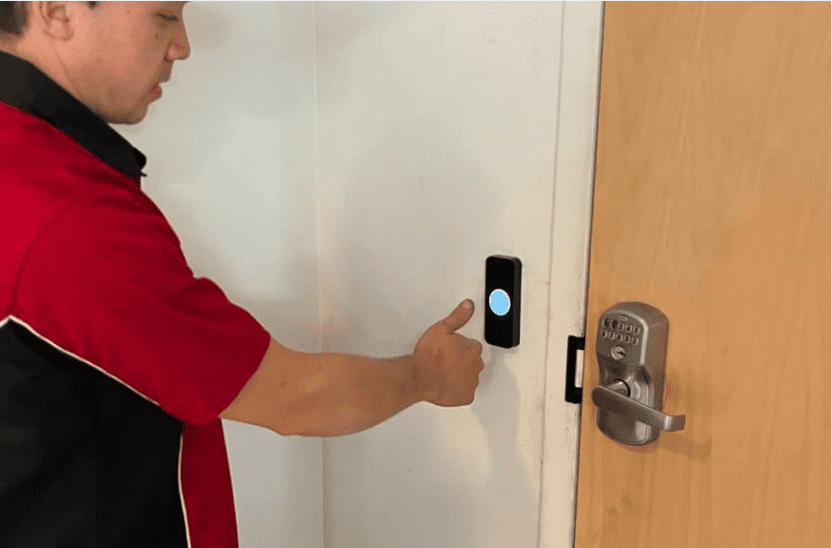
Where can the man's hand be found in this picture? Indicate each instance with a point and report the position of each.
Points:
(448, 365)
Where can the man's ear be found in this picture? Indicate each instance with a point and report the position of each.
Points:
(52, 18)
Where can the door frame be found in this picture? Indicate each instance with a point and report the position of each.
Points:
(577, 123)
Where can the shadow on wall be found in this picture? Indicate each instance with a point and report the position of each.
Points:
(291, 46)
(222, 143)
(430, 476)
(252, 60)
(347, 21)
(208, 30)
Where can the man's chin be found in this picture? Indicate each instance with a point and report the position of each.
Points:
(130, 119)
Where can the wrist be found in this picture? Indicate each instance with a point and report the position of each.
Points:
(424, 385)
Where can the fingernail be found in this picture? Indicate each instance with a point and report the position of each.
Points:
(467, 305)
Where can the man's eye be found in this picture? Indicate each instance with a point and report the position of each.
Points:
(168, 18)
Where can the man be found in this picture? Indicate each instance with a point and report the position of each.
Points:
(116, 364)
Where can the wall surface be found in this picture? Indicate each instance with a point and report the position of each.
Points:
(438, 133)
(230, 149)
(343, 170)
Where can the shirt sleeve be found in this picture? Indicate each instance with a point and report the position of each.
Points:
(108, 283)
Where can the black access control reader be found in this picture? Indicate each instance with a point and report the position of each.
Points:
(502, 300)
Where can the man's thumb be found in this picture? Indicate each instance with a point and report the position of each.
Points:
(460, 315)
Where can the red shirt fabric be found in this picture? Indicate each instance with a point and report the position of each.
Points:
(115, 360)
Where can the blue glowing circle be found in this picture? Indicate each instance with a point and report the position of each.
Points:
(499, 302)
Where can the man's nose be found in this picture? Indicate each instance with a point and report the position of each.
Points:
(180, 47)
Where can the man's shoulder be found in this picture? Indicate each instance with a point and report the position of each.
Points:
(48, 176)
(44, 170)
(30, 143)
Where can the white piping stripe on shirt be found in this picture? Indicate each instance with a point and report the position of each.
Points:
(79, 358)
(181, 494)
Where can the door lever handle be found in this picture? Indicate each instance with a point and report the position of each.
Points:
(616, 398)
(631, 348)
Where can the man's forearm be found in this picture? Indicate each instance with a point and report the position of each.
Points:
(345, 393)
(298, 393)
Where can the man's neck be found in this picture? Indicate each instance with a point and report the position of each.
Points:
(7, 46)
(14, 46)
(50, 66)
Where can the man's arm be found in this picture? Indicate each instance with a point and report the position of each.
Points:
(334, 394)
(324, 394)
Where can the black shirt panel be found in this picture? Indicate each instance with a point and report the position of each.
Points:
(76, 473)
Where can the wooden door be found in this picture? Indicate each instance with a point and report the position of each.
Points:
(711, 203)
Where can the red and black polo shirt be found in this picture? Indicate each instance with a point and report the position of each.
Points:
(115, 361)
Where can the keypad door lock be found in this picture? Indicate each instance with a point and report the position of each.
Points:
(631, 349)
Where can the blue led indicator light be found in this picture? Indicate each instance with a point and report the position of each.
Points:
(499, 302)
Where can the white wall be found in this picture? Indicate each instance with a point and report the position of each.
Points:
(351, 166)
(438, 133)
(231, 163)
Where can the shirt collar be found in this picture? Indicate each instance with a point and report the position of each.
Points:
(25, 87)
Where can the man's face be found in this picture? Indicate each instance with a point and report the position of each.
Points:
(118, 54)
